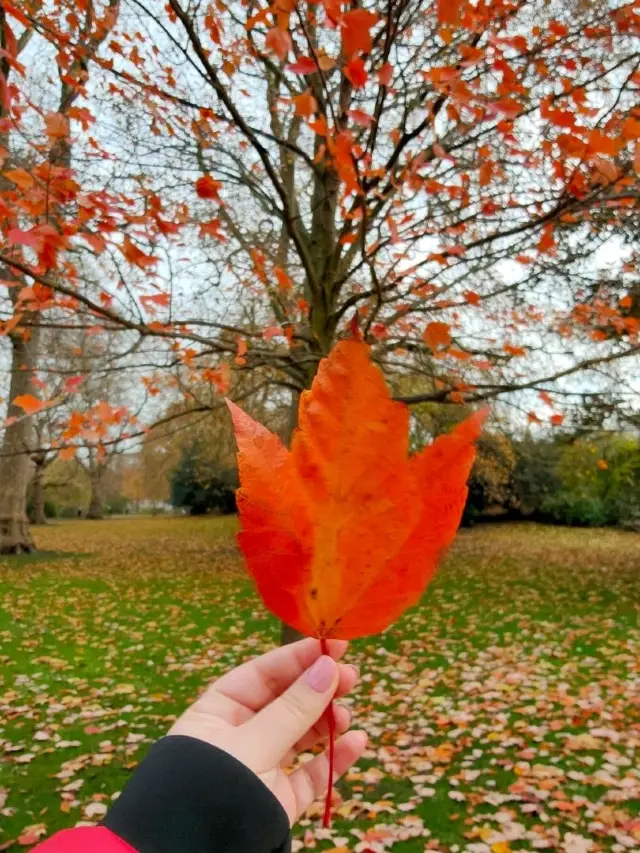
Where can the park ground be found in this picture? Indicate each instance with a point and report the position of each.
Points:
(504, 712)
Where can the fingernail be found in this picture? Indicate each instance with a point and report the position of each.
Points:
(320, 676)
(356, 669)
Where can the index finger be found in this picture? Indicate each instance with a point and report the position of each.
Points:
(258, 682)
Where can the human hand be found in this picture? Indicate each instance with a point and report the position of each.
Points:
(267, 711)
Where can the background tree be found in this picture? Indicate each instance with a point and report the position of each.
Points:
(457, 181)
(37, 186)
(201, 488)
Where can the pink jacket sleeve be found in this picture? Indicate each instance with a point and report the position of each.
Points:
(85, 839)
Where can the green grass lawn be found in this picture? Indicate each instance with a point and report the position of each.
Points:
(504, 712)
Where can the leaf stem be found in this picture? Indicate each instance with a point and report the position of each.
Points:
(326, 821)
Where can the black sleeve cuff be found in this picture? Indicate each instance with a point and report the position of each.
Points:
(190, 797)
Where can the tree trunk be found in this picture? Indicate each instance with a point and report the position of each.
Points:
(287, 633)
(15, 460)
(96, 502)
(39, 515)
(15, 463)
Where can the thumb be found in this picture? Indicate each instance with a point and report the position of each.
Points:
(277, 727)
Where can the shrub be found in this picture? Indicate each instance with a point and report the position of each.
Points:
(535, 475)
(117, 505)
(575, 510)
(201, 489)
(491, 481)
(51, 510)
(71, 512)
(597, 483)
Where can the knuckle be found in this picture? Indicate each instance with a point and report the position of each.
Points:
(296, 706)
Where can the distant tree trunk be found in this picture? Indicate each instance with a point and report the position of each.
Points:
(15, 461)
(96, 503)
(37, 485)
(287, 633)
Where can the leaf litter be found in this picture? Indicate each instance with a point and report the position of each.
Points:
(503, 712)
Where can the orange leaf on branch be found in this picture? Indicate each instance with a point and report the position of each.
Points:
(361, 118)
(284, 280)
(437, 336)
(385, 74)
(241, 351)
(278, 41)
(73, 383)
(472, 297)
(448, 11)
(212, 229)
(305, 65)
(325, 63)
(208, 187)
(151, 299)
(43, 239)
(355, 71)
(21, 178)
(333, 11)
(356, 31)
(29, 404)
(135, 255)
(57, 126)
(306, 105)
(516, 351)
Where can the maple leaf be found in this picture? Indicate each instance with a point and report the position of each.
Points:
(360, 117)
(327, 526)
(278, 41)
(212, 229)
(283, 279)
(333, 10)
(272, 332)
(29, 238)
(29, 403)
(135, 255)
(437, 335)
(21, 178)
(355, 71)
(57, 126)
(241, 351)
(385, 74)
(326, 63)
(162, 299)
(73, 383)
(305, 65)
(472, 297)
(448, 11)
(306, 105)
(207, 187)
(356, 36)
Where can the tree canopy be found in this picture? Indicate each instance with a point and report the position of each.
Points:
(224, 189)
